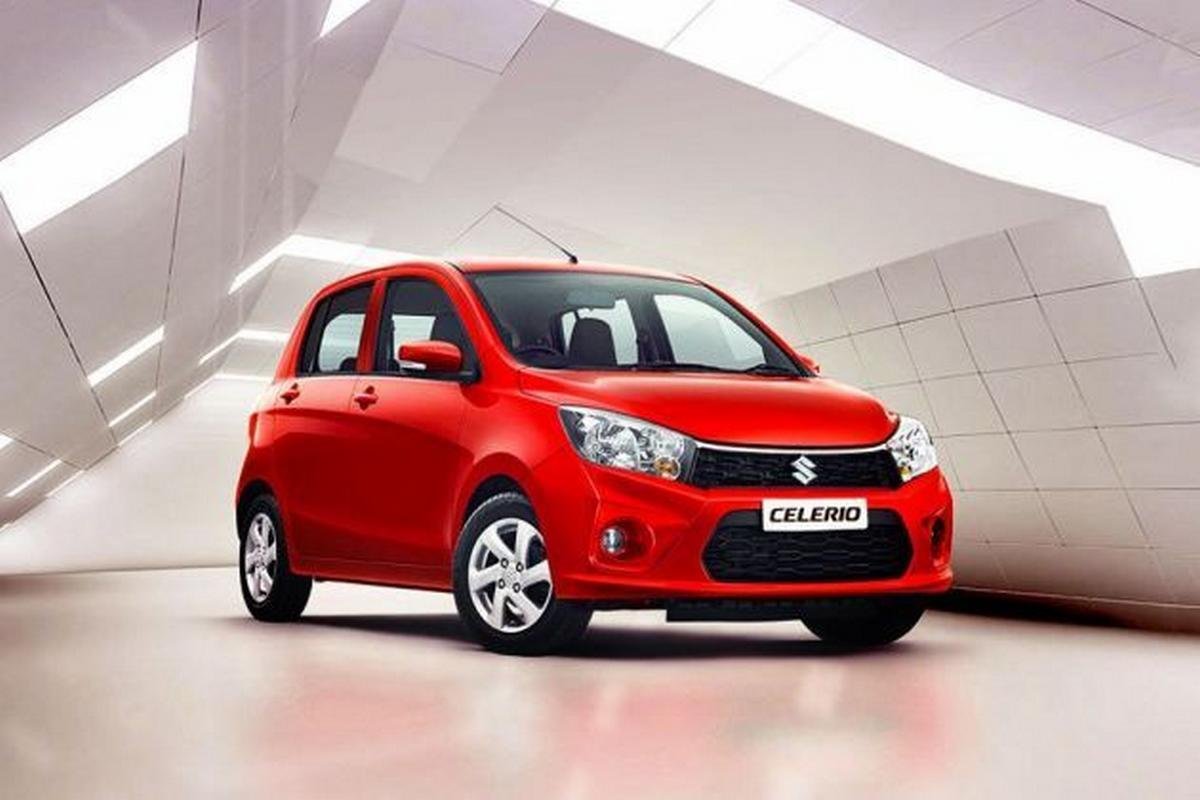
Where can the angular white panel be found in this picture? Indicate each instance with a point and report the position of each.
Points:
(1038, 398)
(884, 357)
(915, 287)
(1156, 456)
(962, 405)
(778, 315)
(654, 24)
(484, 33)
(407, 138)
(975, 566)
(100, 144)
(1102, 322)
(908, 399)
(937, 347)
(59, 56)
(918, 29)
(1138, 390)
(1173, 300)
(1073, 251)
(983, 270)
(1121, 573)
(986, 461)
(1094, 517)
(818, 314)
(1003, 517)
(1009, 335)
(862, 301)
(1050, 35)
(1073, 459)
(105, 261)
(748, 39)
(1168, 517)
(839, 360)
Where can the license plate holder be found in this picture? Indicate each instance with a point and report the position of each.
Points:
(814, 514)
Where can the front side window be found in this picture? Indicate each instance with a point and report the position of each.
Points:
(417, 309)
(331, 344)
(582, 320)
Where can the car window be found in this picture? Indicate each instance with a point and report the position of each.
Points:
(417, 309)
(700, 334)
(331, 344)
(620, 323)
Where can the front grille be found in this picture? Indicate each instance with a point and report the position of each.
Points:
(863, 469)
(741, 551)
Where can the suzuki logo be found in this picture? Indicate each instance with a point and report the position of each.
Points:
(806, 470)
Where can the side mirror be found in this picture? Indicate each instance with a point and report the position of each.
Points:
(434, 356)
(809, 364)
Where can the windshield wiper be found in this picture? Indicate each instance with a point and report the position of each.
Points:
(769, 369)
(675, 366)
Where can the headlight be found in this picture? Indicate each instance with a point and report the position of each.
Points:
(912, 448)
(614, 440)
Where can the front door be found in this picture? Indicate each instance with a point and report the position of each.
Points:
(409, 459)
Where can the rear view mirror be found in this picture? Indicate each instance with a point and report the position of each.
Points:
(809, 364)
(434, 356)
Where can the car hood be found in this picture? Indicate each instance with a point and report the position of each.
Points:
(722, 408)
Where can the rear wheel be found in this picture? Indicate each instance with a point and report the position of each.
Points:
(271, 591)
(503, 586)
(863, 621)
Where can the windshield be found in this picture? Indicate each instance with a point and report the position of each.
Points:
(582, 320)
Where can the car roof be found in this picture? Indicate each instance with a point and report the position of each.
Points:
(477, 265)
(474, 266)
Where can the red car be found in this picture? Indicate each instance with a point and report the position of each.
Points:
(545, 440)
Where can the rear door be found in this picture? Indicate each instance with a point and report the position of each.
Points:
(314, 423)
(408, 459)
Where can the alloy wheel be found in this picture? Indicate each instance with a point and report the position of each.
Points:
(259, 557)
(508, 575)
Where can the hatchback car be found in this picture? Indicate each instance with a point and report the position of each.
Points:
(546, 440)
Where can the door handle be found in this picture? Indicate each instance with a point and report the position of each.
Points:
(366, 397)
(291, 393)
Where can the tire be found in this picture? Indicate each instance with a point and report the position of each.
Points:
(499, 546)
(286, 594)
(862, 622)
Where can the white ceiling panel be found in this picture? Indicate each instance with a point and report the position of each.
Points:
(1176, 20)
(1142, 77)
(16, 274)
(485, 33)
(76, 53)
(249, 131)
(17, 463)
(439, 96)
(251, 44)
(105, 260)
(921, 28)
(1049, 36)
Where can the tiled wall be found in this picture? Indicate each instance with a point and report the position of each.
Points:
(1064, 396)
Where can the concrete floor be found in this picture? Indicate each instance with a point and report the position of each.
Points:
(156, 684)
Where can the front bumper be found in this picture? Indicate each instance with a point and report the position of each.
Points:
(672, 524)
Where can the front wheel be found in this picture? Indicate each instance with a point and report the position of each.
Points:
(503, 586)
(862, 621)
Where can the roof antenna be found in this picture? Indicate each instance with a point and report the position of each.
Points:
(570, 256)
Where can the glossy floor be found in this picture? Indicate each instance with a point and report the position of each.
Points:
(156, 684)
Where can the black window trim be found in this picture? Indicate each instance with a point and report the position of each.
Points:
(319, 319)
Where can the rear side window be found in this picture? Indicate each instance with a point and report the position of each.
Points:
(331, 344)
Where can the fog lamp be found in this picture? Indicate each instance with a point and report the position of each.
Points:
(613, 541)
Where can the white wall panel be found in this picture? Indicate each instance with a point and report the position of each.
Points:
(1009, 335)
(915, 287)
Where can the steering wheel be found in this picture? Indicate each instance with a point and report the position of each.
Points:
(537, 347)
